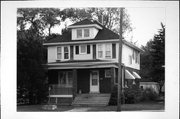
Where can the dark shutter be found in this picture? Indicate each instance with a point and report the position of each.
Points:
(94, 51)
(77, 49)
(71, 52)
(113, 50)
(88, 49)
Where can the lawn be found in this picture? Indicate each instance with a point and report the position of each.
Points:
(145, 106)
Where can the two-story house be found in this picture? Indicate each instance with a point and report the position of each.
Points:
(85, 61)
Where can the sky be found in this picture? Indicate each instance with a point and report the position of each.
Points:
(145, 23)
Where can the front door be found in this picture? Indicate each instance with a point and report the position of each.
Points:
(94, 82)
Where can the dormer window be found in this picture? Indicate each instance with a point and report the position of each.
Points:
(79, 33)
(86, 32)
(83, 33)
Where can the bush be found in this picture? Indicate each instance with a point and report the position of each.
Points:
(149, 95)
(130, 95)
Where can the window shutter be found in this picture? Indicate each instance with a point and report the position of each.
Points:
(113, 50)
(94, 51)
(77, 49)
(88, 49)
(71, 52)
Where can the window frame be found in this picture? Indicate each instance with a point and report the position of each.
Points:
(98, 45)
(59, 53)
(80, 47)
(63, 53)
(66, 52)
(109, 50)
(88, 33)
(67, 83)
(77, 35)
(130, 59)
(108, 73)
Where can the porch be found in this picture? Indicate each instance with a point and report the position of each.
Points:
(67, 84)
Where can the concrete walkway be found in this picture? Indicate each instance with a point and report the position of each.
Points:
(150, 107)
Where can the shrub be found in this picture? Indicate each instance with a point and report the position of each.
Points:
(130, 95)
(149, 95)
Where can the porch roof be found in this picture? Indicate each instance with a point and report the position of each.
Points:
(82, 64)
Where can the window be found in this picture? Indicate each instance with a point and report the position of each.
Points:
(65, 78)
(107, 73)
(70, 77)
(100, 51)
(83, 49)
(108, 51)
(130, 59)
(86, 32)
(94, 78)
(66, 53)
(136, 57)
(79, 33)
(59, 53)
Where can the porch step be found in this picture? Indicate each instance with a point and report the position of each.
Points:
(91, 100)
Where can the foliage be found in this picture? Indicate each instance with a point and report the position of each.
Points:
(149, 95)
(153, 58)
(46, 18)
(31, 81)
(39, 19)
(109, 17)
(130, 95)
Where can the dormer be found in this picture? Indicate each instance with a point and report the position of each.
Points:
(85, 29)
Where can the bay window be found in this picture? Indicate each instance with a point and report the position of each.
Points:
(66, 52)
(100, 51)
(59, 53)
(108, 51)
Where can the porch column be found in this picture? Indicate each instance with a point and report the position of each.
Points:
(113, 73)
(74, 83)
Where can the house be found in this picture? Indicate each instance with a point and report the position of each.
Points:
(83, 63)
(154, 86)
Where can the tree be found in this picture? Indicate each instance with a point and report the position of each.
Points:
(109, 17)
(153, 58)
(39, 19)
(31, 75)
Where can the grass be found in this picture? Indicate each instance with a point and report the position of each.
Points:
(145, 106)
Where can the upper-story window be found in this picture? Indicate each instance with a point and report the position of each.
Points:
(130, 59)
(79, 33)
(100, 51)
(66, 52)
(108, 51)
(86, 33)
(59, 53)
(63, 52)
(83, 49)
(83, 33)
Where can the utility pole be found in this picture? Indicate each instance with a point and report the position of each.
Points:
(120, 62)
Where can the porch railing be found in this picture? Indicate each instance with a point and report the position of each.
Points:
(60, 90)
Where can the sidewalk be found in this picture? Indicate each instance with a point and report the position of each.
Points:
(125, 107)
